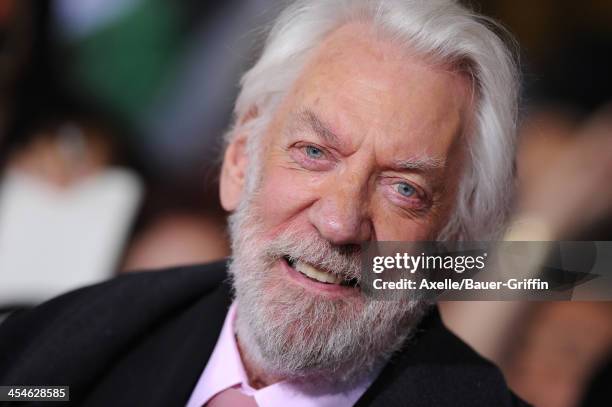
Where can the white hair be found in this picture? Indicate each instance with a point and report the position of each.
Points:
(441, 30)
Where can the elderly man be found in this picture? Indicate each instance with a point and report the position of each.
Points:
(362, 120)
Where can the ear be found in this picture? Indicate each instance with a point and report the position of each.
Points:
(233, 170)
(234, 165)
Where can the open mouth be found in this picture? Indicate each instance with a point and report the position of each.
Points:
(319, 275)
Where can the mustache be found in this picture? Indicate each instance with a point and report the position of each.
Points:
(342, 260)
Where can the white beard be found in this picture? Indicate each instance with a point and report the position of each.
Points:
(295, 334)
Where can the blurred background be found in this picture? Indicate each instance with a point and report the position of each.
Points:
(112, 114)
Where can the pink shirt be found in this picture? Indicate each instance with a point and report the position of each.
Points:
(225, 370)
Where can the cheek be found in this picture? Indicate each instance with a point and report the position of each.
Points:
(392, 229)
(283, 196)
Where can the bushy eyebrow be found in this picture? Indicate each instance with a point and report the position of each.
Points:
(431, 168)
(307, 118)
(421, 163)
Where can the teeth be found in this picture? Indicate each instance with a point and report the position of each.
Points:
(316, 274)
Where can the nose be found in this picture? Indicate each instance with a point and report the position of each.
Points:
(340, 215)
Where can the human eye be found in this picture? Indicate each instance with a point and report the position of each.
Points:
(406, 194)
(405, 189)
(313, 152)
(312, 157)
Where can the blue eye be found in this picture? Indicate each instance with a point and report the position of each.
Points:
(314, 152)
(405, 189)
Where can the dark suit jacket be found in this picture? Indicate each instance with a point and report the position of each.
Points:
(145, 338)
